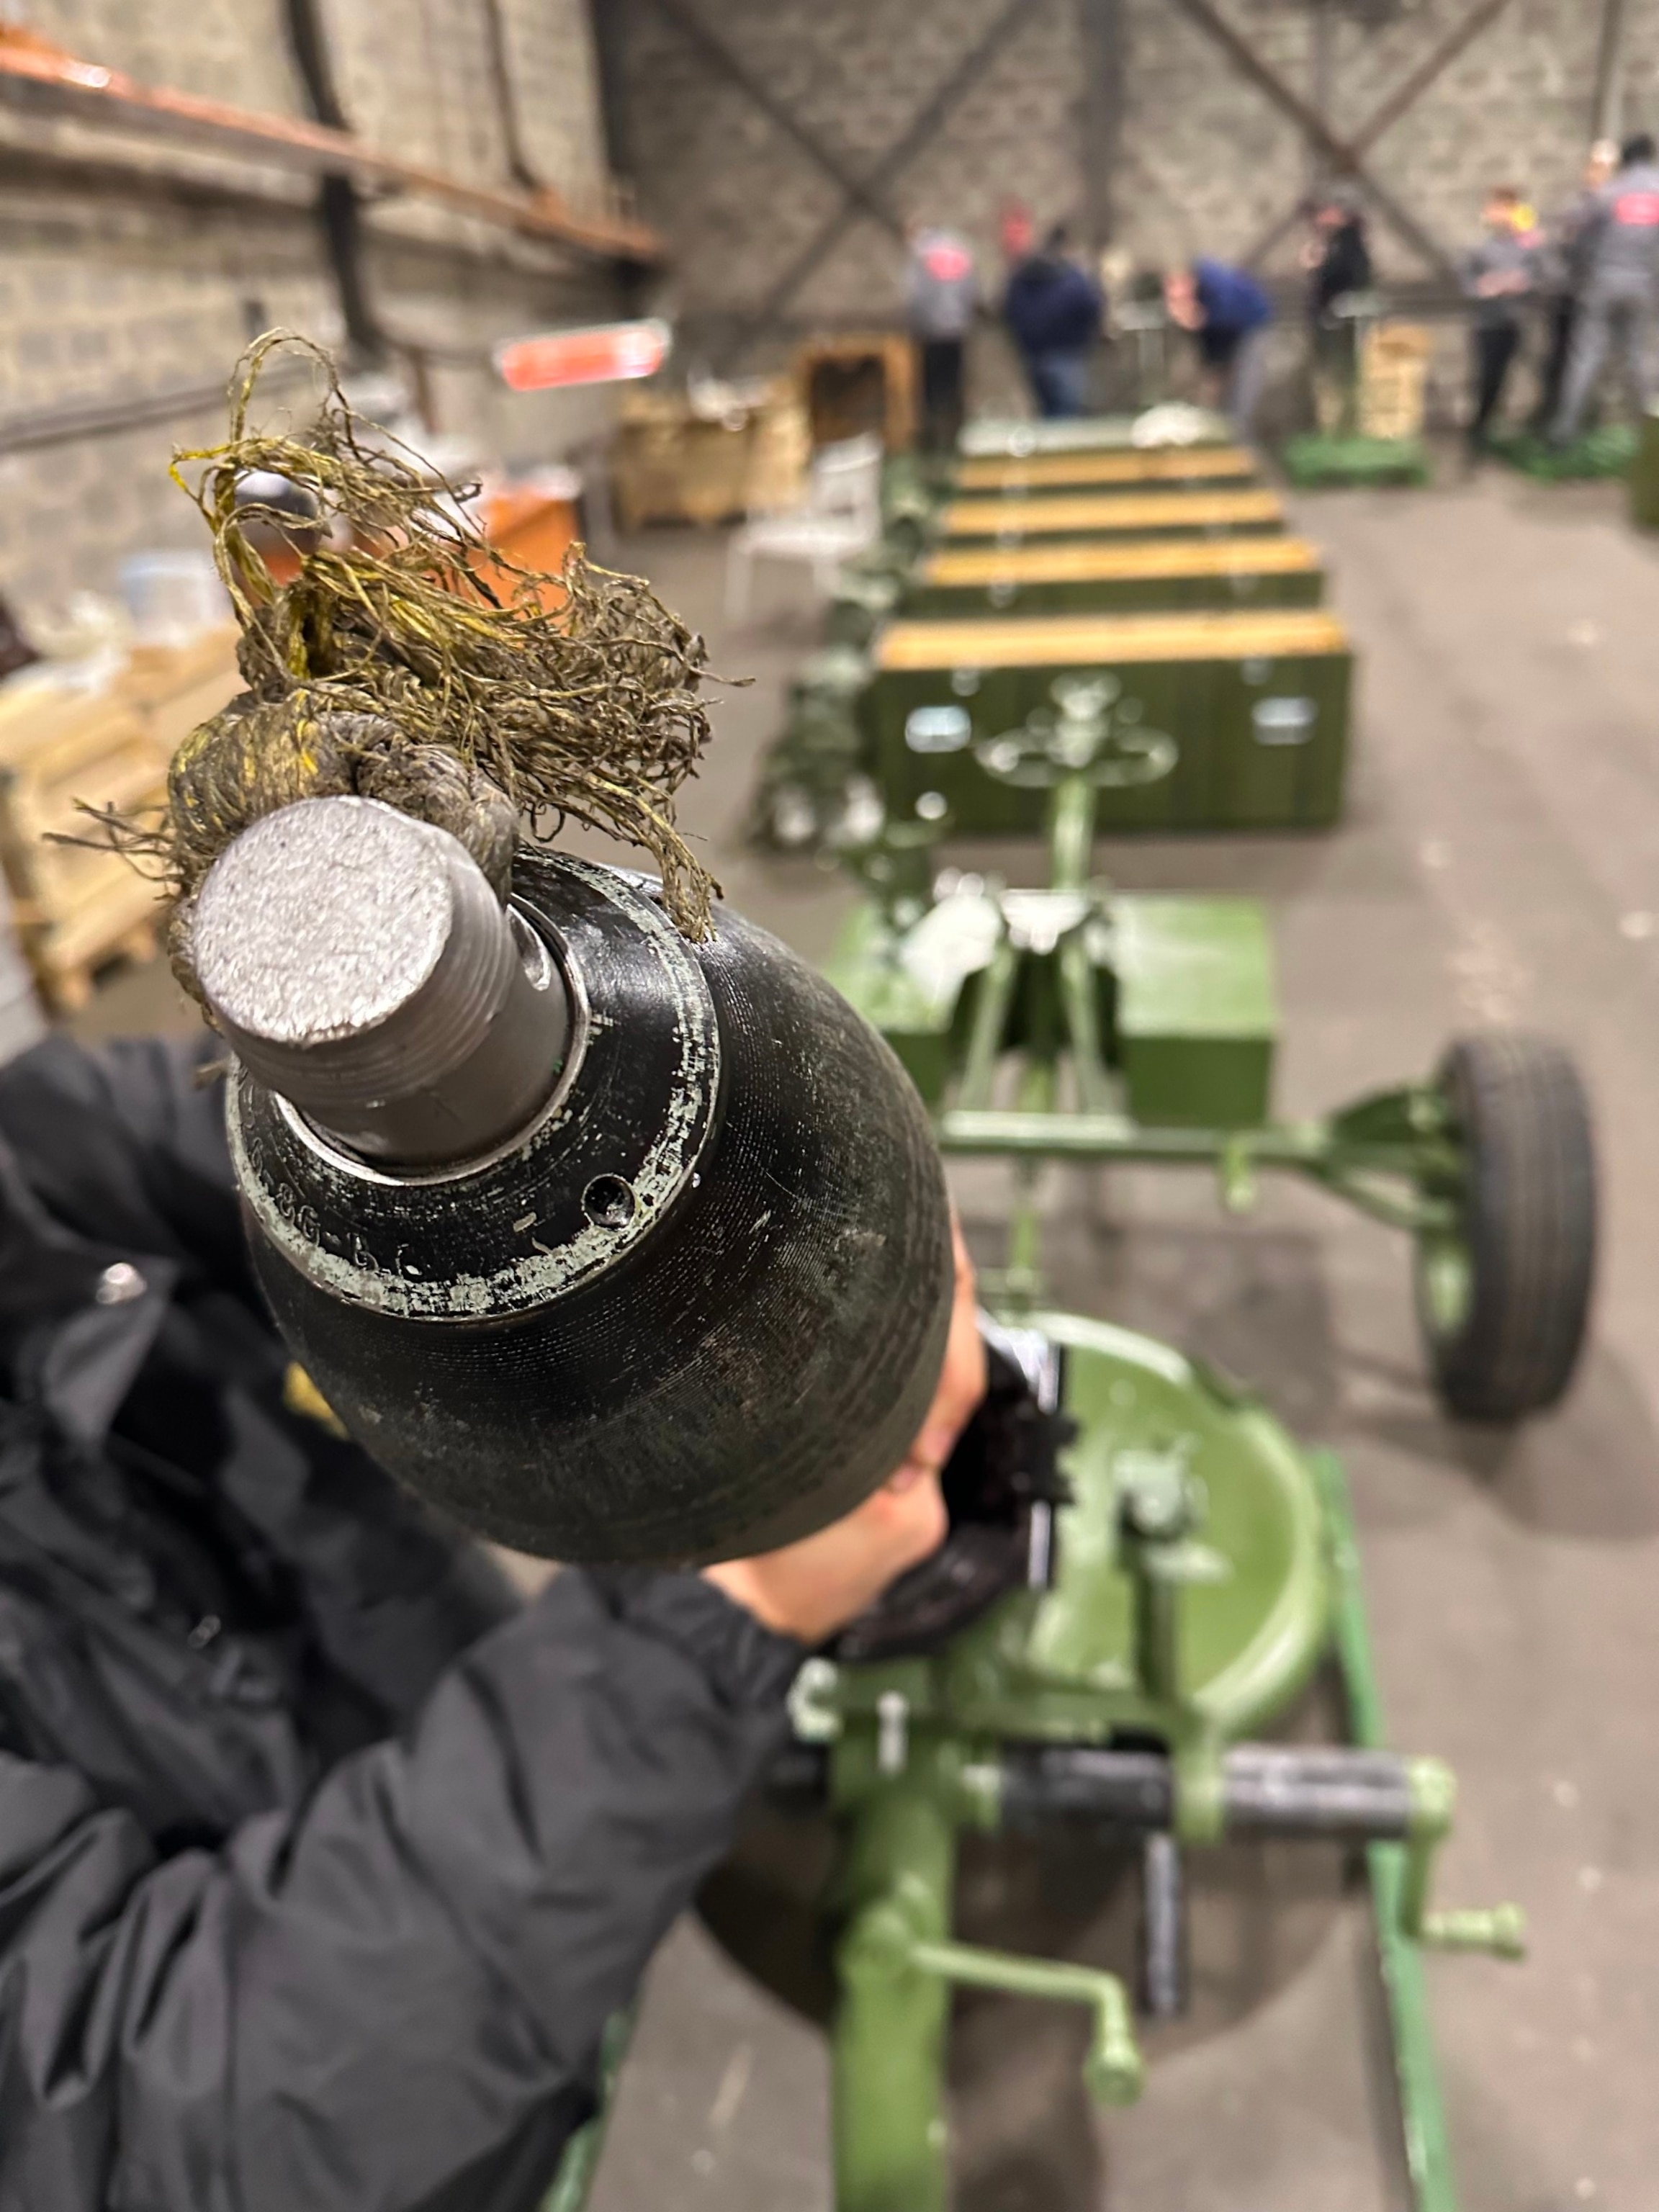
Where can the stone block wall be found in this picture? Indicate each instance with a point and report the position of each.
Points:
(1204, 161)
(119, 284)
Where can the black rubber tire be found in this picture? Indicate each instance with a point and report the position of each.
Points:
(1529, 1228)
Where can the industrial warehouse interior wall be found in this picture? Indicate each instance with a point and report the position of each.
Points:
(129, 274)
(744, 123)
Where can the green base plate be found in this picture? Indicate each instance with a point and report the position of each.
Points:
(1605, 452)
(1316, 459)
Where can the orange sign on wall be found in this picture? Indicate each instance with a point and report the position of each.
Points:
(603, 353)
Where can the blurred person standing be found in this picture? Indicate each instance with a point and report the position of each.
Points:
(1228, 313)
(1053, 308)
(941, 295)
(1016, 230)
(1621, 255)
(1497, 277)
(1338, 260)
(1560, 275)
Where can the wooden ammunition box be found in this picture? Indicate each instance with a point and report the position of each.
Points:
(1257, 706)
(1111, 513)
(1175, 467)
(1102, 576)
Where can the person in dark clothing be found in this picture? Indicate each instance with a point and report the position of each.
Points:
(1052, 309)
(323, 1861)
(1497, 277)
(1338, 259)
(1229, 314)
(1338, 256)
(1560, 276)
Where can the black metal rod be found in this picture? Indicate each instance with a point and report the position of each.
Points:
(1267, 1789)
(1162, 1927)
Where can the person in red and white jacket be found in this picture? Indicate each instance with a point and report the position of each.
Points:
(1619, 255)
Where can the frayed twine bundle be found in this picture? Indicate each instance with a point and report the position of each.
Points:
(408, 661)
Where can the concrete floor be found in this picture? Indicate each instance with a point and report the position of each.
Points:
(1500, 864)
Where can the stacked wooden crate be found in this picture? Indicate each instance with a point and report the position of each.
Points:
(671, 463)
(103, 743)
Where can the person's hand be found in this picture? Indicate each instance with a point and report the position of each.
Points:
(810, 1588)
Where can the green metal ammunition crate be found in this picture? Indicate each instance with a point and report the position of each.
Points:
(1121, 513)
(1195, 1014)
(994, 434)
(1644, 475)
(1221, 721)
(1173, 467)
(1097, 576)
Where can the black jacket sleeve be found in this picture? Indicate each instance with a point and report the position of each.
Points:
(394, 1999)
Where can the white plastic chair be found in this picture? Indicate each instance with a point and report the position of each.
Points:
(840, 516)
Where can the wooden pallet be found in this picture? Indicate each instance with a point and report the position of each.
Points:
(77, 907)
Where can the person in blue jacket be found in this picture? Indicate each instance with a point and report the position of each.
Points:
(1053, 308)
(1229, 314)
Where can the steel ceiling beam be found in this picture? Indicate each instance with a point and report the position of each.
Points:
(1342, 153)
(725, 62)
(875, 182)
(1100, 24)
(1434, 63)
(40, 78)
(1405, 95)
(1609, 70)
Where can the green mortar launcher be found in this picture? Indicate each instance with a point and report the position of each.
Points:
(1075, 1024)
(1107, 1651)
(1097, 1654)
(1200, 1570)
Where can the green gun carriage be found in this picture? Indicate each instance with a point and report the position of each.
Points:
(1100, 1646)
(1069, 1023)
(1115, 1629)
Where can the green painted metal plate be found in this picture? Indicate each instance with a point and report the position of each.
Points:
(1195, 1012)
(1251, 1637)
(1061, 1667)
